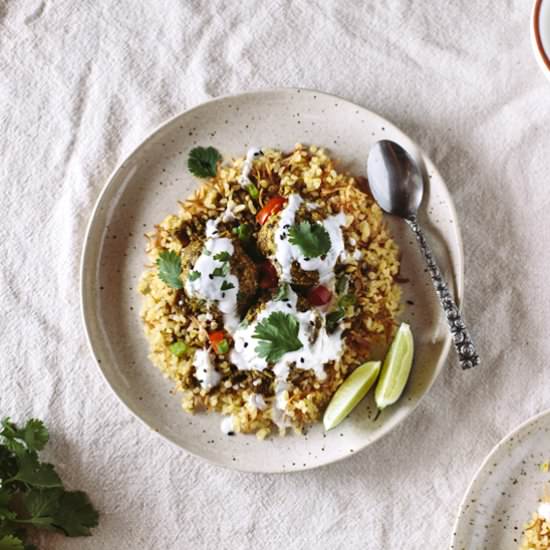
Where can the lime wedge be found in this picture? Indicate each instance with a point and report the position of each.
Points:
(348, 395)
(396, 368)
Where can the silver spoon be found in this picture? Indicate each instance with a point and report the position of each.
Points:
(397, 186)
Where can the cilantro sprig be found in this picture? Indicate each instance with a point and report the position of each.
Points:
(169, 265)
(312, 239)
(277, 335)
(31, 491)
(203, 162)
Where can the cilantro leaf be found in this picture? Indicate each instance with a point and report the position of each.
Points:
(312, 239)
(33, 472)
(341, 283)
(193, 275)
(31, 492)
(203, 162)
(169, 265)
(41, 503)
(278, 334)
(221, 271)
(222, 256)
(227, 286)
(5, 512)
(333, 318)
(8, 463)
(11, 542)
(35, 434)
(75, 514)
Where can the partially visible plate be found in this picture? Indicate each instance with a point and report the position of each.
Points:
(146, 187)
(540, 34)
(506, 490)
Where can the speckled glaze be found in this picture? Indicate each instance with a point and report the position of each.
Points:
(506, 490)
(145, 188)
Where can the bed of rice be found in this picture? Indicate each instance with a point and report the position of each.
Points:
(313, 174)
(536, 534)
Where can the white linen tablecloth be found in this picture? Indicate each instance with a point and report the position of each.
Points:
(83, 82)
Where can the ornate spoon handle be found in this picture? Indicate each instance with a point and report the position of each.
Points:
(464, 345)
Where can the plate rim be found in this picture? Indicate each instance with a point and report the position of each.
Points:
(496, 448)
(86, 309)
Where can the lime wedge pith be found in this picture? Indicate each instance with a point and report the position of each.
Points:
(348, 395)
(396, 368)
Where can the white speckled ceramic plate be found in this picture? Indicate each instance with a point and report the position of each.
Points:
(145, 188)
(506, 490)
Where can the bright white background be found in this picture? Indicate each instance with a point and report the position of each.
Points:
(83, 82)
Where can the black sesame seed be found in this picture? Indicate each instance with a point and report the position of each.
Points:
(211, 276)
(223, 294)
(307, 259)
(289, 305)
(287, 226)
(302, 360)
(246, 344)
(230, 433)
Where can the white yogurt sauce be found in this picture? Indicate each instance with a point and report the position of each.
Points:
(227, 425)
(544, 510)
(286, 252)
(205, 372)
(312, 355)
(251, 154)
(207, 286)
(326, 346)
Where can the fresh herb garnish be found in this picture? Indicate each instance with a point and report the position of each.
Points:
(179, 348)
(253, 191)
(222, 256)
(227, 286)
(221, 271)
(243, 231)
(282, 292)
(334, 317)
(312, 239)
(169, 265)
(341, 284)
(31, 492)
(223, 346)
(278, 334)
(193, 275)
(203, 161)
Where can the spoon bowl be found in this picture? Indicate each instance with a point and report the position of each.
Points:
(395, 179)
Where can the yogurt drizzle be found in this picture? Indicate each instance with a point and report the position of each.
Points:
(251, 154)
(286, 252)
(325, 346)
(205, 372)
(207, 286)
